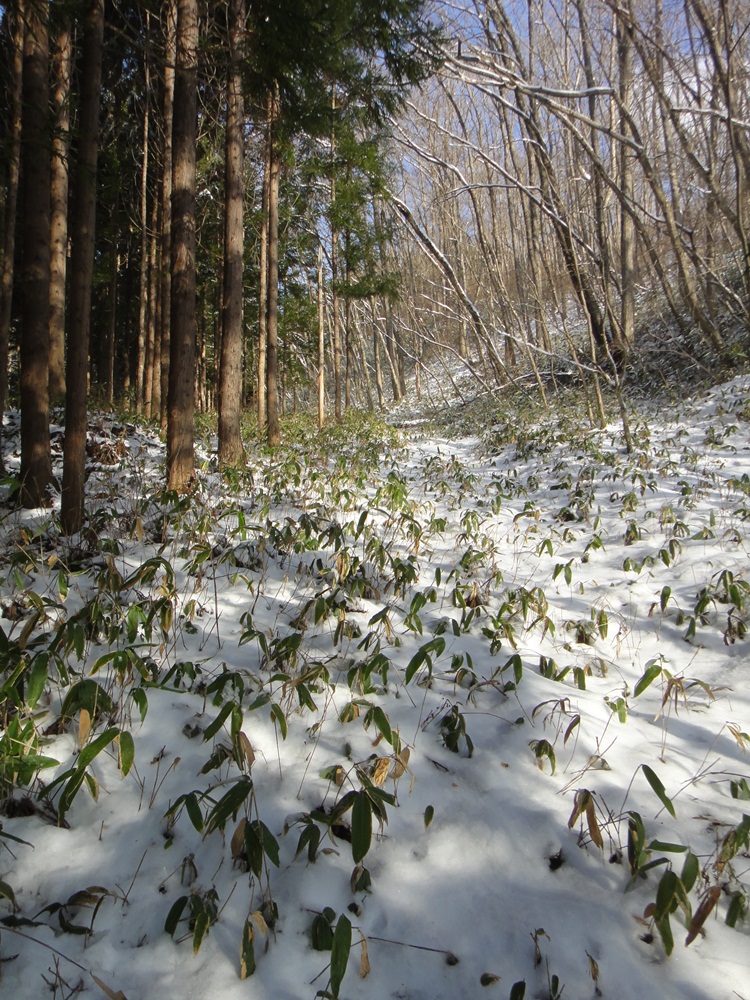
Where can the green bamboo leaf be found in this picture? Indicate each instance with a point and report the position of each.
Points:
(8, 688)
(310, 839)
(254, 848)
(342, 943)
(429, 815)
(95, 747)
(661, 845)
(229, 803)
(280, 719)
(690, 871)
(658, 789)
(736, 909)
(127, 752)
(665, 933)
(247, 950)
(133, 620)
(88, 694)
(414, 664)
(518, 990)
(103, 660)
(270, 844)
(215, 726)
(665, 894)
(361, 826)
(141, 699)
(321, 933)
(194, 811)
(200, 930)
(653, 671)
(7, 893)
(174, 915)
(93, 785)
(383, 725)
(36, 680)
(69, 793)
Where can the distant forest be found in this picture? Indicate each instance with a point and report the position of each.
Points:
(296, 203)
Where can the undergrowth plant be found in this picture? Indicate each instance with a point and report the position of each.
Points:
(389, 619)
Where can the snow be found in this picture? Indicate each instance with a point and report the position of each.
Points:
(556, 555)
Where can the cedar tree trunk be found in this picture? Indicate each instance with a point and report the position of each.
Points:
(182, 337)
(82, 271)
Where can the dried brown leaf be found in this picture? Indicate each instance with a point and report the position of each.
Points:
(380, 771)
(581, 801)
(364, 960)
(401, 764)
(237, 844)
(701, 914)
(593, 967)
(594, 831)
(84, 727)
(259, 920)
(742, 738)
(246, 749)
(112, 994)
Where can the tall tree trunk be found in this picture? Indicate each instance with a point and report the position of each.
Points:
(627, 225)
(36, 458)
(231, 451)
(321, 344)
(182, 337)
(378, 367)
(82, 271)
(11, 201)
(150, 373)
(262, 390)
(392, 347)
(108, 352)
(140, 364)
(336, 318)
(61, 66)
(165, 296)
(335, 304)
(272, 325)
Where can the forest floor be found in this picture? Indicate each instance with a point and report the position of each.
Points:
(388, 715)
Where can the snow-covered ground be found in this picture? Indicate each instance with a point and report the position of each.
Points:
(553, 629)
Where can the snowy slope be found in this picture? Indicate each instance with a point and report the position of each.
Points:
(534, 620)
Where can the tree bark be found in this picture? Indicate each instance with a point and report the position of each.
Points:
(61, 67)
(335, 303)
(321, 344)
(36, 459)
(82, 271)
(140, 365)
(272, 323)
(11, 201)
(151, 368)
(231, 451)
(165, 295)
(181, 402)
(627, 225)
(262, 389)
(108, 341)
